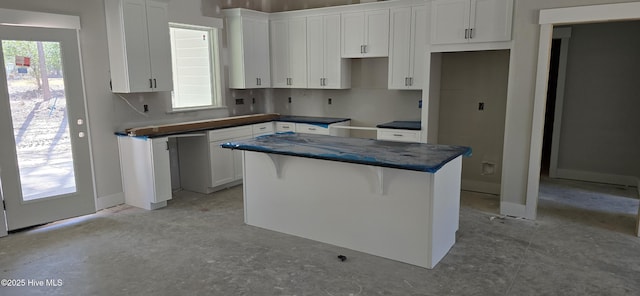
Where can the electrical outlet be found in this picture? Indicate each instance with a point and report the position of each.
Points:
(253, 100)
(481, 106)
(145, 107)
(329, 101)
(289, 100)
(240, 101)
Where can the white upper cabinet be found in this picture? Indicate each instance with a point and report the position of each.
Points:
(365, 34)
(139, 45)
(470, 21)
(326, 67)
(289, 52)
(248, 41)
(407, 47)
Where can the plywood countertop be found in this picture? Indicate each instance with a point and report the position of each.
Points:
(192, 126)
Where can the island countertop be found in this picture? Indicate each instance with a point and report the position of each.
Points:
(408, 156)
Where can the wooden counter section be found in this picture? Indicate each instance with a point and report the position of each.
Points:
(191, 126)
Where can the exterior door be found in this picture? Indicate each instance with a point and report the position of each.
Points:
(45, 167)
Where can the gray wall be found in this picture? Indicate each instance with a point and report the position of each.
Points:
(600, 121)
(468, 78)
(368, 102)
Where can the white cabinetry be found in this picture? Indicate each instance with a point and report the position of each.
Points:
(399, 135)
(145, 168)
(326, 67)
(407, 47)
(223, 162)
(470, 21)
(365, 34)
(289, 52)
(248, 41)
(285, 127)
(139, 45)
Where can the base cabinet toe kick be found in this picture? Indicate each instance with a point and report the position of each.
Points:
(399, 201)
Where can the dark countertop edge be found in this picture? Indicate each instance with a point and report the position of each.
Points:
(311, 119)
(121, 133)
(417, 168)
(400, 125)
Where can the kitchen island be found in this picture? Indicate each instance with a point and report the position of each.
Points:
(395, 200)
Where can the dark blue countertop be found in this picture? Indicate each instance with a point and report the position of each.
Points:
(408, 156)
(321, 121)
(408, 125)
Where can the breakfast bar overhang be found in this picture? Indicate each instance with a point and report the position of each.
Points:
(395, 200)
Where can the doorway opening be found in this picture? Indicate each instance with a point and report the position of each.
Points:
(577, 181)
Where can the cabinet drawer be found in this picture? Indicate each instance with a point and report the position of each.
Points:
(399, 135)
(262, 128)
(230, 133)
(311, 129)
(283, 127)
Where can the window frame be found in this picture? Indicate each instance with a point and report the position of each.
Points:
(217, 99)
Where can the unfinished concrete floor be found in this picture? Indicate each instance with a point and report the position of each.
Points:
(581, 244)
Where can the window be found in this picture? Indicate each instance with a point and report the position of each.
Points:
(196, 74)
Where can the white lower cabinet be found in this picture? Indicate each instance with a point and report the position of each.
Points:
(284, 127)
(146, 175)
(399, 135)
(225, 163)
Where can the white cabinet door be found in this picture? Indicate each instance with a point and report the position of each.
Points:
(377, 33)
(159, 45)
(471, 21)
(288, 38)
(315, 51)
(222, 164)
(492, 20)
(407, 47)
(161, 169)
(326, 67)
(248, 40)
(449, 21)
(298, 52)
(261, 51)
(365, 34)
(139, 45)
(279, 41)
(353, 34)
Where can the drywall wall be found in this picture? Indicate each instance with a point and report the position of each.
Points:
(467, 80)
(520, 97)
(368, 102)
(600, 122)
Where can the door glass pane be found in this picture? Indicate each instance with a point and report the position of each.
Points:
(40, 123)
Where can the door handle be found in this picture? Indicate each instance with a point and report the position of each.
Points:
(466, 33)
(155, 83)
(471, 33)
(150, 83)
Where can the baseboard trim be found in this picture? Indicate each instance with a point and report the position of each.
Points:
(513, 209)
(597, 177)
(108, 201)
(480, 186)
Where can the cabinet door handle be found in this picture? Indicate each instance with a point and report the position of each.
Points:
(312, 128)
(365, 48)
(167, 142)
(406, 81)
(397, 135)
(471, 33)
(361, 48)
(466, 33)
(150, 83)
(263, 128)
(410, 81)
(155, 83)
